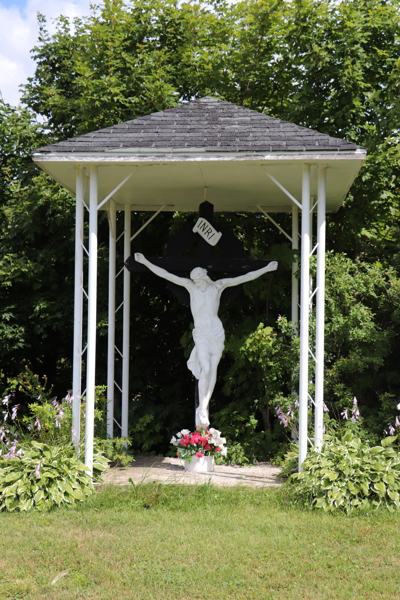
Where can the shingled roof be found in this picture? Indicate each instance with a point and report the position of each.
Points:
(204, 125)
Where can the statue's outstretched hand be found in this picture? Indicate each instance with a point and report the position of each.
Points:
(273, 265)
(139, 257)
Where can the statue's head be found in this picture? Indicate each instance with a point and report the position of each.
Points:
(199, 274)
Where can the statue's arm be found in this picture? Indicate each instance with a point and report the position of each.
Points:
(232, 281)
(162, 272)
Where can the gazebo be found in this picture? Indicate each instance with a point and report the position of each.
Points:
(239, 160)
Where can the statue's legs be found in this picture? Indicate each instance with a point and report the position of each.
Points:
(207, 380)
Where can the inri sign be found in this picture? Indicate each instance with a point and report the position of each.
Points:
(207, 231)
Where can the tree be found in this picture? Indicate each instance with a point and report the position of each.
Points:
(329, 65)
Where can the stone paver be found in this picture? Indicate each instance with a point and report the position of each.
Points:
(171, 470)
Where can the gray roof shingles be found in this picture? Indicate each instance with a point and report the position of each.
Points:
(209, 125)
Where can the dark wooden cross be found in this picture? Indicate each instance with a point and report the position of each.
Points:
(228, 257)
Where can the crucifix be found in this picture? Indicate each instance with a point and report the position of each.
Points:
(201, 293)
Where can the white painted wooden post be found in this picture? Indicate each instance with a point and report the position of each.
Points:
(320, 316)
(126, 324)
(311, 288)
(304, 313)
(78, 308)
(295, 266)
(112, 223)
(92, 317)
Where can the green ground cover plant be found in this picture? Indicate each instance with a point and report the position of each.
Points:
(162, 542)
(347, 475)
(43, 477)
(39, 466)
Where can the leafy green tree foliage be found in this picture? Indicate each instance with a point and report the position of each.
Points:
(36, 261)
(362, 330)
(329, 65)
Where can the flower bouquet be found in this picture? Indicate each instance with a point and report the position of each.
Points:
(201, 447)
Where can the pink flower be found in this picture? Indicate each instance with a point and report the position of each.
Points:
(207, 447)
(37, 470)
(199, 454)
(218, 449)
(182, 443)
(14, 411)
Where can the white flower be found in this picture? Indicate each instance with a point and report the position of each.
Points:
(174, 441)
(214, 432)
(185, 431)
(179, 435)
(216, 441)
(224, 451)
(398, 406)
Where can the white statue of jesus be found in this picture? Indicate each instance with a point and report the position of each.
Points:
(208, 332)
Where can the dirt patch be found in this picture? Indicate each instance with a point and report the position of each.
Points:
(171, 470)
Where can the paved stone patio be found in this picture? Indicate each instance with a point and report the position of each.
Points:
(171, 470)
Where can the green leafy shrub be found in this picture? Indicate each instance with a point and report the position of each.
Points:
(115, 450)
(39, 476)
(50, 420)
(348, 474)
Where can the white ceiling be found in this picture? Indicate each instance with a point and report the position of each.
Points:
(235, 183)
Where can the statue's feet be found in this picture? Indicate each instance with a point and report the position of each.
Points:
(202, 421)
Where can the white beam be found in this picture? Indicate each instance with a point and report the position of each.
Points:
(274, 222)
(312, 198)
(320, 316)
(78, 307)
(284, 190)
(126, 324)
(92, 317)
(148, 221)
(304, 313)
(115, 190)
(295, 265)
(112, 223)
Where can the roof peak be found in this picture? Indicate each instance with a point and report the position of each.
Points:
(206, 124)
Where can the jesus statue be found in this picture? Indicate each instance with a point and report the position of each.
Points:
(208, 332)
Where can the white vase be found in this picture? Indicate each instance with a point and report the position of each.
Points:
(205, 464)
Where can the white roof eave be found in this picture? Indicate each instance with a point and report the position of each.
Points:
(236, 182)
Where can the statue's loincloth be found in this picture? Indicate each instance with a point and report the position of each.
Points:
(207, 342)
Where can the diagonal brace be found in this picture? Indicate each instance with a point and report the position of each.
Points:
(284, 190)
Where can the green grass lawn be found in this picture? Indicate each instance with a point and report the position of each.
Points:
(197, 542)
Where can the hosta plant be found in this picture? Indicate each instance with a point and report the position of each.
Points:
(348, 474)
(39, 476)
